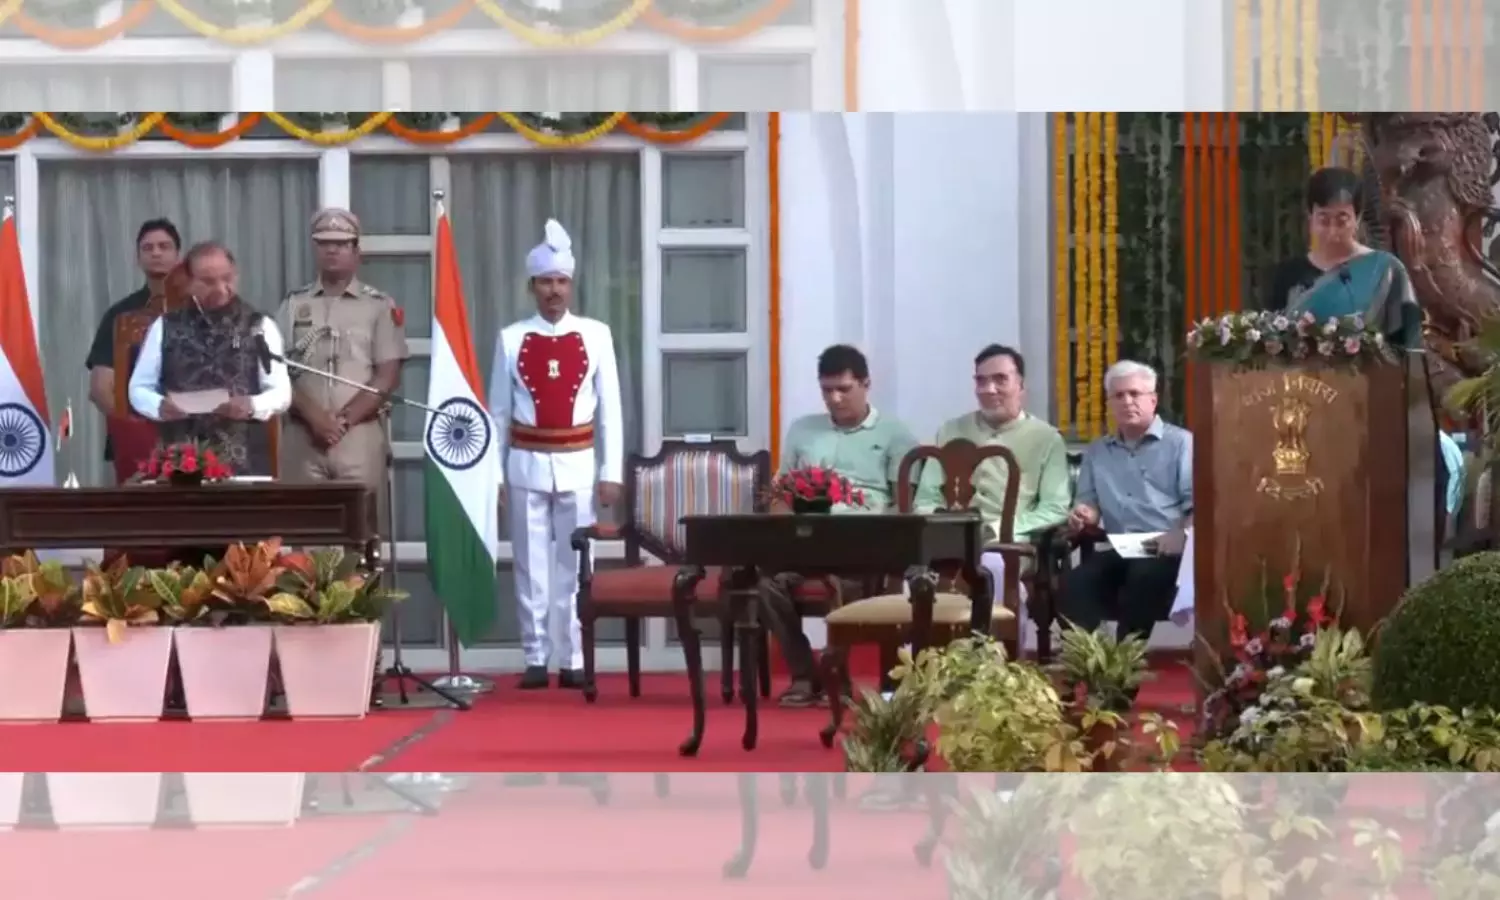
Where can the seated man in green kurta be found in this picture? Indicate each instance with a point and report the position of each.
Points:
(857, 442)
(1045, 492)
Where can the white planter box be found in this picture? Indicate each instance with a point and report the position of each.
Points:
(224, 670)
(251, 798)
(327, 671)
(11, 785)
(104, 799)
(124, 682)
(33, 673)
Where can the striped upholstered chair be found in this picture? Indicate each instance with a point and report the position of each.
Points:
(682, 479)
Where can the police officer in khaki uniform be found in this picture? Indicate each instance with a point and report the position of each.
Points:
(339, 324)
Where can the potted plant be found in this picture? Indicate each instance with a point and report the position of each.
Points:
(37, 604)
(186, 464)
(992, 714)
(328, 634)
(122, 655)
(887, 734)
(223, 639)
(1100, 676)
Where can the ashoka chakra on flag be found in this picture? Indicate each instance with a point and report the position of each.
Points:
(460, 436)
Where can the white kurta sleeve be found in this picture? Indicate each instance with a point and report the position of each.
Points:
(144, 391)
(275, 395)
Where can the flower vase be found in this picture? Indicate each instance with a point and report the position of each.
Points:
(185, 479)
(813, 506)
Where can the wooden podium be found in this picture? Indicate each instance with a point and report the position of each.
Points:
(150, 517)
(1345, 460)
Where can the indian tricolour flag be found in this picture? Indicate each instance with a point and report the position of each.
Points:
(25, 428)
(462, 478)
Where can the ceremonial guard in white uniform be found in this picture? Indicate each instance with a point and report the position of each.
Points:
(555, 397)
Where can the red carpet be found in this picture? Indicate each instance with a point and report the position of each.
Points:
(506, 731)
(492, 839)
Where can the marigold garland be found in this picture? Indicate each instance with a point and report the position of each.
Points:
(542, 37)
(686, 31)
(330, 138)
(207, 140)
(561, 141)
(1096, 276)
(1081, 272)
(387, 120)
(1270, 94)
(436, 138)
(1286, 54)
(84, 38)
(247, 34)
(21, 135)
(1111, 243)
(326, 12)
(655, 135)
(1062, 366)
(101, 144)
(338, 23)
(1244, 81)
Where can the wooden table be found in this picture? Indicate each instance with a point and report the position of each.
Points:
(160, 516)
(752, 546)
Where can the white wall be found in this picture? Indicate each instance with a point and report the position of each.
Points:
(901, 234)
(1039, 56)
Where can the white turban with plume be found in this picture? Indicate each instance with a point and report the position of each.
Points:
(554, 255)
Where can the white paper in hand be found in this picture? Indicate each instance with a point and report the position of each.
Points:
(1132, 545)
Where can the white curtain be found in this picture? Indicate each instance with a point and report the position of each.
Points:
(498, 205)
(90, 211)
(181, 87)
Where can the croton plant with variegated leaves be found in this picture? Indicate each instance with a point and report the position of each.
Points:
(36, 594)
(329, 586)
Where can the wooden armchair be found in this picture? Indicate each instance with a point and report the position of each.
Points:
(891, 620)
(682, 479)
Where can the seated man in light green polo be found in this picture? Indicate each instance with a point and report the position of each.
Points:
(857, 442)
(1046, 491)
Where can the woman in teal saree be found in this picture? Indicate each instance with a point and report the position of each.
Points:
(1339, 276)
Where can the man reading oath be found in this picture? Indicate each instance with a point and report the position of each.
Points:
(554, 384)
(200, 374)
(129, 439)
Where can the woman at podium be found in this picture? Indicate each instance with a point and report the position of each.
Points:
(1340, 276)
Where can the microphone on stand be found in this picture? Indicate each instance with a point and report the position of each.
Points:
(266, 357)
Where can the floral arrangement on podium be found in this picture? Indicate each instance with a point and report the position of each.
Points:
(1259, 338)
(814, 490)
(317, 614)
(186, 463)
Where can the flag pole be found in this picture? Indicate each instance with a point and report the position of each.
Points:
(456, 681)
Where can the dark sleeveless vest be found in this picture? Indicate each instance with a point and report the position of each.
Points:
(214, 349)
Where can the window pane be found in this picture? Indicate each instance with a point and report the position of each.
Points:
(703, 190)
(702, 291)
(391, 194)
(409, 280)
(421, 613)
(410, 509)
(7, 178)
(705, 393)
(783, 83)
(408, 421)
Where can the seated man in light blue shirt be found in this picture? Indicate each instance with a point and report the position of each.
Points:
(1136, 480)
(853, 439)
